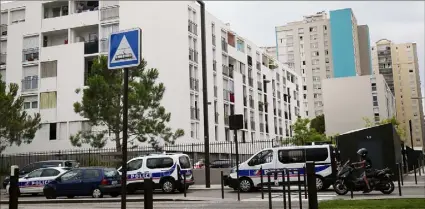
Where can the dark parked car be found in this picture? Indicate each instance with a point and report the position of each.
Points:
(42, 164)
(94, 182)
(222, 163)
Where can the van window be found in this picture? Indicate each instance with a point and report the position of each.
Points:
(291, 156)
(184, 162)
(263, 157)
(154, 163)
(316, 154)
(134, 165)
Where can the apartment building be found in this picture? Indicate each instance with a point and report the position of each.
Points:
(344, 112)
(48, 48)
(398, 63)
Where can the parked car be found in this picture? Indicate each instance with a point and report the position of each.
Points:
(200, 164)
(42, 164)
(90, 181)
(166, 171)
(222, 163)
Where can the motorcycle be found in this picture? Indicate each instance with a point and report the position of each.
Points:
(346, 181)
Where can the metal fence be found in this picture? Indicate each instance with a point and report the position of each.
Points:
(110, 157)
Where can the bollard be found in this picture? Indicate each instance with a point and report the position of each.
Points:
(400, 173)
(305, 183)
(262, 183)
(148, 193)
(419, 167)
(184, 184)
(284, 189)
(311, 184)
(269, 190)
(398, 179)
(222, 185)
(14, 187)
(414, 170)
(299, 189)
(288, 182)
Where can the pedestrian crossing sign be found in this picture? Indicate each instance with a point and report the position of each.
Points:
(124, 49)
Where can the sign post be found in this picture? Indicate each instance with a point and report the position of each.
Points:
(235, 124)
(124, 51)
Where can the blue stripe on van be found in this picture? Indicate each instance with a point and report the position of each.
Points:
(156, 175)
(256, 172)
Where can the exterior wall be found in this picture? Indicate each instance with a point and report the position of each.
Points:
(162, 50)
(343, 37)
(345, 112)
(364, 47)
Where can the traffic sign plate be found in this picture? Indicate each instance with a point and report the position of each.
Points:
(124, 49)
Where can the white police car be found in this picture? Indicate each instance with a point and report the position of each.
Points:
(33, 183)
(166, 170)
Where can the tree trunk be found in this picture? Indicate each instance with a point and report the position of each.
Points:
(117, 142)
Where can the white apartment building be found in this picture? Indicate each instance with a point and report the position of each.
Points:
(48, 48)
(350, 99)
(306, 47)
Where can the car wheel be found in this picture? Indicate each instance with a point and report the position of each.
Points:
(114, 194)
(96, 193)
(245, 185)
(168, 186)
(320, 184)
(70, 196)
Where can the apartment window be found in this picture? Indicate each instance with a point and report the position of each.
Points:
(49, 69)
(52, 131)
(373, 86)
(17, 16)
(314, 45)
(316, 78)
(315, 54)
(313, 29)
(326, 43)
(325, 27)
(303, 62)
(313, 37)
(377, 119)
(326, 52)
(375, 100)
(326, 60)
(48, 100)
(300, 30)
(301, 38)
(315, 62)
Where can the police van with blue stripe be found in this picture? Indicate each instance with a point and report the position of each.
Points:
(34, 182)
(279, 158)
(166, 170)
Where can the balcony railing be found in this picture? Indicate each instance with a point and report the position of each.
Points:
(251, 82)
(223, 44)
(252, 125)
(251, 103)
(192, 27)
(91, 47)
(245, 101)
(231, 72)
(226, 70)
(215, 91)
(258, 65)
(194, 84)
(215, 65)
(245, 124)
(279, 113)
(195, 53)
(216, 117)
(213, 40)
(280, 131)
(260, 106)
(109, 13)
(194, 113)
(104, 45)
(226, 120)
(261, 127)
(30, 84)
(3, 30)
(3, 58)
(259, 86)
(226, 95)
(29, 55)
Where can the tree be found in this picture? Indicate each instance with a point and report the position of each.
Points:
(318, 123)
(303, 134)
(102, 106)
(16, 126)
(400, 131)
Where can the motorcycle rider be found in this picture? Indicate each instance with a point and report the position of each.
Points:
(366, 164)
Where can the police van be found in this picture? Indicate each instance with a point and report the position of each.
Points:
(279, 158)
(33, 183)
(166, 170)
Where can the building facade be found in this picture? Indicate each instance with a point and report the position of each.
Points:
(399, 65)
(364, 48)
(48, 48)
(351, 99)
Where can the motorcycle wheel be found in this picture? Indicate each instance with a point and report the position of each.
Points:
(340, 188)
(389, 188)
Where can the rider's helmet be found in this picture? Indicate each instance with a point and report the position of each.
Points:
(362, 152)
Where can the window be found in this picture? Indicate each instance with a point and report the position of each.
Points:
(134, 165)
(313, 37)
(373, 86)
(35, 174)
(325, 27)
(184, 162)
(48, 100)
(315, 62)
(110, 172)
(300, 30)
(49, 69)
(316, 154)
(49, 172)
(27, 105)
(326, 52)
(313, 29)
(314, 45)
(154, 163)
(91, 174)
(315, 54)
(52, 132)
(72, 175)
(316, 78)
(17, 16)
(327, 60)
(263, 157)
(291, 156)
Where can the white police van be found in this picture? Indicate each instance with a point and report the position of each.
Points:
(33, 182)
(285, 157)
(166, 170)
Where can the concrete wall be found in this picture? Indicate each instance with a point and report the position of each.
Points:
(365, 51)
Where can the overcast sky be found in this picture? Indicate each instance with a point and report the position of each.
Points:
(398, 21)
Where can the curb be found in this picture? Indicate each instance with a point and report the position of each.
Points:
(57, 201)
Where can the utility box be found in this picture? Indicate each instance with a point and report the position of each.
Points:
(382, 142)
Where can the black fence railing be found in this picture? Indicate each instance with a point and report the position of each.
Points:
(91, 47)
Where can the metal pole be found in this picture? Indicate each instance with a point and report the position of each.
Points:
(269, 190)
(284, 189)
(305, 182)
(14, 187)
(288, 183)
(148, 193)
(262, 183)
(205, 96)
(419, 167)
(222, 185)
(401, 174)
(414, 170)
(124, 142)
(299, 189)
(311, 183)
(184, 184)
(411, 134)
(398, 179)
(237, 162)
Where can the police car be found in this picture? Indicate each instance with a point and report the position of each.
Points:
(166, 170)
(33, 182)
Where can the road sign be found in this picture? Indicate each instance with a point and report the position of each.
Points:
(125, 49)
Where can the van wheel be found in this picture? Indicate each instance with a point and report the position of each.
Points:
(168, 185)
(245, 184)
(320, 183)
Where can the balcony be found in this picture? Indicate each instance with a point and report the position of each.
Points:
(194, 84)
(280, 131)
(30, 55)
(215, 65)
(226, 95)
(252, 125)
(249, 59)
(279, 113)
(213, 40)
(3, 30)
(245, 101)
(244, 79)
(85, 6)
(88, 35)
(109, 13)
(223, 44)
(91, 47)
(226, 119)
(55, 38)
(191, 54)
(30, 83)
(245, 124)
(226, 70)
(3, 58)
(261, 127)
(215, 91)
(250, 82)
(192, 27)
(260, 106)
(231, 71)
(259, 86)
(258, 65)
(55, 9)
(194, 113)
(251, 103)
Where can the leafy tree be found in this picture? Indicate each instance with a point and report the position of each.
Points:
(102, 106)
(318, 123)
(400, 131)
(16, 126)
(303, 134)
